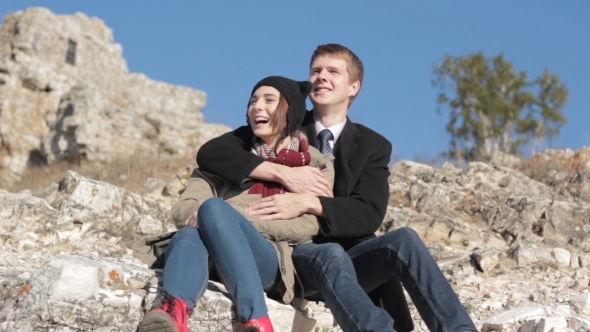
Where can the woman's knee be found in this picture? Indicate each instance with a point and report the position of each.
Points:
(212, 211)
(216, 218)
(186, 234)
(211, 205)
(186, 237)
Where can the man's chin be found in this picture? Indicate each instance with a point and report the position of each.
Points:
(320, 102)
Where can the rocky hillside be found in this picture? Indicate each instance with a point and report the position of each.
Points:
(66, 94)
(516, 251)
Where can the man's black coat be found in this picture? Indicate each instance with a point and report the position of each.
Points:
(361, 190)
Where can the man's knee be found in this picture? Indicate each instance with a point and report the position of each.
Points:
(400, 235)
(331, 251)
(316, 263)
(327, 254)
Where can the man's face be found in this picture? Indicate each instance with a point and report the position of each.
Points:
(330, 83)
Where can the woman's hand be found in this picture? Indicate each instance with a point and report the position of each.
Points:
(192, 220)
(306, 180)
(285, 206)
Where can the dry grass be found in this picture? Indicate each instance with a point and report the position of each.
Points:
(537, 167)
(129, 173)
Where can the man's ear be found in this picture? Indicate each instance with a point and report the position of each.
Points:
(355, 87)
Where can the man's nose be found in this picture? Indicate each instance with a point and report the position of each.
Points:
(323, 74)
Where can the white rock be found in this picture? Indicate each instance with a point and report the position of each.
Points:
(32, 236)
(562, 329)
(114, 239)
(546, 324)
(149, 226)
(487, 259)
(409, 168)
(516, 315)
(575, 261)
(581, 304)
(529, 326)
(81, 292)
(530, 255)
(491, 305)
(578, 323)
(562, 310)
(562, 256)
(76, 282)
(23, 244)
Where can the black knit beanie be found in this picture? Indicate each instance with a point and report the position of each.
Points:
(295, 92)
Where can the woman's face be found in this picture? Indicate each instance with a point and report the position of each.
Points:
(263, 104)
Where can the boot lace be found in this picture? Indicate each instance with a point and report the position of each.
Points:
(169, 305)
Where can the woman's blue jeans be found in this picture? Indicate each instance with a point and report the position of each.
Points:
(245, 261)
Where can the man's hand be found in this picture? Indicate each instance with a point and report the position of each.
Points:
(285, 206)
(306, 180)
(192, 220)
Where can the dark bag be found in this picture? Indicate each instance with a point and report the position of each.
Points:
(152, 250)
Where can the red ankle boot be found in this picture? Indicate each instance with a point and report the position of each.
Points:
(171, 316)
(261, 324)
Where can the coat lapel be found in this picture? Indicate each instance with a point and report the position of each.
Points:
(308, 128)
(344, 150)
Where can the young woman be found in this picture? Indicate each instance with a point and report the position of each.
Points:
(250, 255)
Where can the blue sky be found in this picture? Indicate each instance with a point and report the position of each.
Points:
(225, 47)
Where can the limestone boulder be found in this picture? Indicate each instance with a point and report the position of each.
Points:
(168, 192)
(81, 200)
(82, 292)
(66, 94)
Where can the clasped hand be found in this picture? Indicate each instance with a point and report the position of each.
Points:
(306, 180)
(305, 184)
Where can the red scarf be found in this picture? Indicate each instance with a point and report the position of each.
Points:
(287, 157)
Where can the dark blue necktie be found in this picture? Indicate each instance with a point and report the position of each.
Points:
(324, 137)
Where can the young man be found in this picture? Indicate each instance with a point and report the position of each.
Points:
(346, 261)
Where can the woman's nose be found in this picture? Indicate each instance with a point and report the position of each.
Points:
(258, 106)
